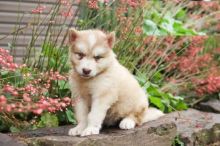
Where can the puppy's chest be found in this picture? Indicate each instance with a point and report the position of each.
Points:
(85, 91)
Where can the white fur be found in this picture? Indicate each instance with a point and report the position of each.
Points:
(92, 40)
(99, 51)
(152, 114)
(90, 131)
(81, 115)
(109, 94)
(76, 130)
(81, 46)
(88, 64)
(127, 123)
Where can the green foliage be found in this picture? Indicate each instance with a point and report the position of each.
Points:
(48, 120)
(70, 116)
(52, 57)
(98, 18)
(177, 142)
(156, 23)
(22, 77)
(3, 125)
(166, 102)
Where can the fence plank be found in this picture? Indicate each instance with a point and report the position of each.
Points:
(7, 29)
(25, 40)
(24, 7)
(16, 17)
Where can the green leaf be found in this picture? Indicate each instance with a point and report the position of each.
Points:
(178, 97)
(180, 29)
(63, 84)
(181, 106)
(153, 91)
(157, 102)
(150, 28)
(167, 24)
(52, 62)
(4, 72)
(181, 14)
(157, 77)
(70, 116)
(177, 141)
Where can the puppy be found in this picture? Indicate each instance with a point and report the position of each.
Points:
(108, 93)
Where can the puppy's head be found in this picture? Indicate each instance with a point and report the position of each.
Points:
(90, 51)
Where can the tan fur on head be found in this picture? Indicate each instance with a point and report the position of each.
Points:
(90, 51)
(107, 91)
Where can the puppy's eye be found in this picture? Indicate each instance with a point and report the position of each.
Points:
(80, 55)
(98, 58)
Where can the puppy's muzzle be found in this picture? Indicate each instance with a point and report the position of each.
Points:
(86, 71)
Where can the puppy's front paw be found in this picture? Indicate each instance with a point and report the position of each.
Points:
(76, 130)
(127, 123)
(90, 131)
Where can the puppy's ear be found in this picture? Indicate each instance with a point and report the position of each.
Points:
(73, 34)
(111, 39)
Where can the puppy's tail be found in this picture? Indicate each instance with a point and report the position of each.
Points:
(152, 114)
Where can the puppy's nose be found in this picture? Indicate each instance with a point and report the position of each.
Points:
(86, 71)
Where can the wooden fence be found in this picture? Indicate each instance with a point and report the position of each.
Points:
(19, 17)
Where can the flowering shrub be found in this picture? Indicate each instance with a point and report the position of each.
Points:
(28, 91)
(168, 67)
(197, 66)
(6, 60)
(208, 16)
(186, 66)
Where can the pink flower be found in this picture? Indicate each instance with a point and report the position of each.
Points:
(67, 14)
(209, 85)
(31, 89)
(65, 2)
(13, 105)
(38, 10)
(63, 105)
(8, 88)
(78, 1)
(67, 99)
(3, 100)
(8, 108)
(132, 3)
(37, 111)
(6, 60)
(138, 30)
(193, 51)
(26, 97)
(14, 93)
(93, 4)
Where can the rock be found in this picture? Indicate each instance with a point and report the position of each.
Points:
(194, 128)
(6, 140)
(212, 105)
(155, 133)
(215, 144)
